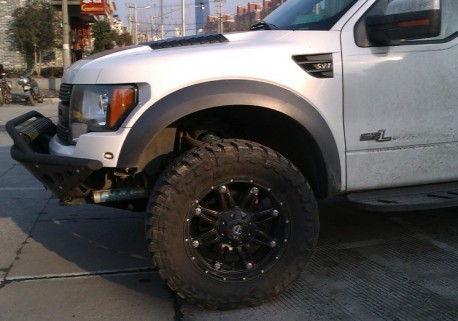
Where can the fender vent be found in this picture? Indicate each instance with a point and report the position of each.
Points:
(187, 41)
(318, 66)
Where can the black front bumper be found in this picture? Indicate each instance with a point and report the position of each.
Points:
(62, 175)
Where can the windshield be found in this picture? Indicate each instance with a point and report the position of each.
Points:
(306, 15)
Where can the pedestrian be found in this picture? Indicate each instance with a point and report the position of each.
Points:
(78, 51)
(73, 53)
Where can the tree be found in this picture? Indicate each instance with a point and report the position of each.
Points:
(103, 36)
(35, 28)
(123, 39)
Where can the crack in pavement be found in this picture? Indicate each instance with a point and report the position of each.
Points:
(73, 275)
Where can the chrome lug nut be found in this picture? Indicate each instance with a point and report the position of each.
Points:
(249, 266)
(223, 189)
(275, 213)
(254, 191)
(198, 211)
(195, 244)
(217, 266)
(273, 244)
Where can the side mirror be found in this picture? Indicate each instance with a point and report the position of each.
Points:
(405, 20)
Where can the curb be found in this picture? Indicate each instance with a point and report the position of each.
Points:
(45, 100)
(51, 100)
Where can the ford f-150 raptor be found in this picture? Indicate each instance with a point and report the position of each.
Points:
(227, 141)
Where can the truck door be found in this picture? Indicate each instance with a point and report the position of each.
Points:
(401, 98)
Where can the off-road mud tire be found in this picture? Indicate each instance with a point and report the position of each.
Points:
(207, 184)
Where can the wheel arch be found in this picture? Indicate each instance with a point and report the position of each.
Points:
(154, 133)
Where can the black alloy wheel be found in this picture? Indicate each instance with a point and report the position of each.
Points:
(237, 231)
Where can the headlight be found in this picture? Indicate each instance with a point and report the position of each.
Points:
(100, 107)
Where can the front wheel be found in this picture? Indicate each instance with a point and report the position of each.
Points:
(231, 224)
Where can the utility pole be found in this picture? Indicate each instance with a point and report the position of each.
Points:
(65, 35)
(134, 6)
(183, 19)
(220, 16)
(130, 21)
(162, 19)
(135, 26)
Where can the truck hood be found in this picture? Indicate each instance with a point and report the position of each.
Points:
(201, 58)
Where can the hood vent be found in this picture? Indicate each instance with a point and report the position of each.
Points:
(187, 41)
(318, 66)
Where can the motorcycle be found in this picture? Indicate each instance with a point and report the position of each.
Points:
(5, 90)
(31, 89)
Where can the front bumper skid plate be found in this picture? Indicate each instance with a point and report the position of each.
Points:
(31, 133)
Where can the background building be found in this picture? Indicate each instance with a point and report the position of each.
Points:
(248, 15)
(201, 14)
(10, 56)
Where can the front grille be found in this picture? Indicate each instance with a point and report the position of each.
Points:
(63, 133)
(65, 94)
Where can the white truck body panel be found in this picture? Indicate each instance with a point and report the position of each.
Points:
(407, 91)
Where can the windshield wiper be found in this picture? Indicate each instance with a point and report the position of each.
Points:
(263, 25)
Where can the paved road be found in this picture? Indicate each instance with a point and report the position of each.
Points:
(91, 263)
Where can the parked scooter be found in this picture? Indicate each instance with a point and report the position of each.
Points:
(5, 90)
(31, 89)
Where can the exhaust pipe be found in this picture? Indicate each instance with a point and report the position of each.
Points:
(120, 194)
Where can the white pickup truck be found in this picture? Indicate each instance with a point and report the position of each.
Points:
(227, 141)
